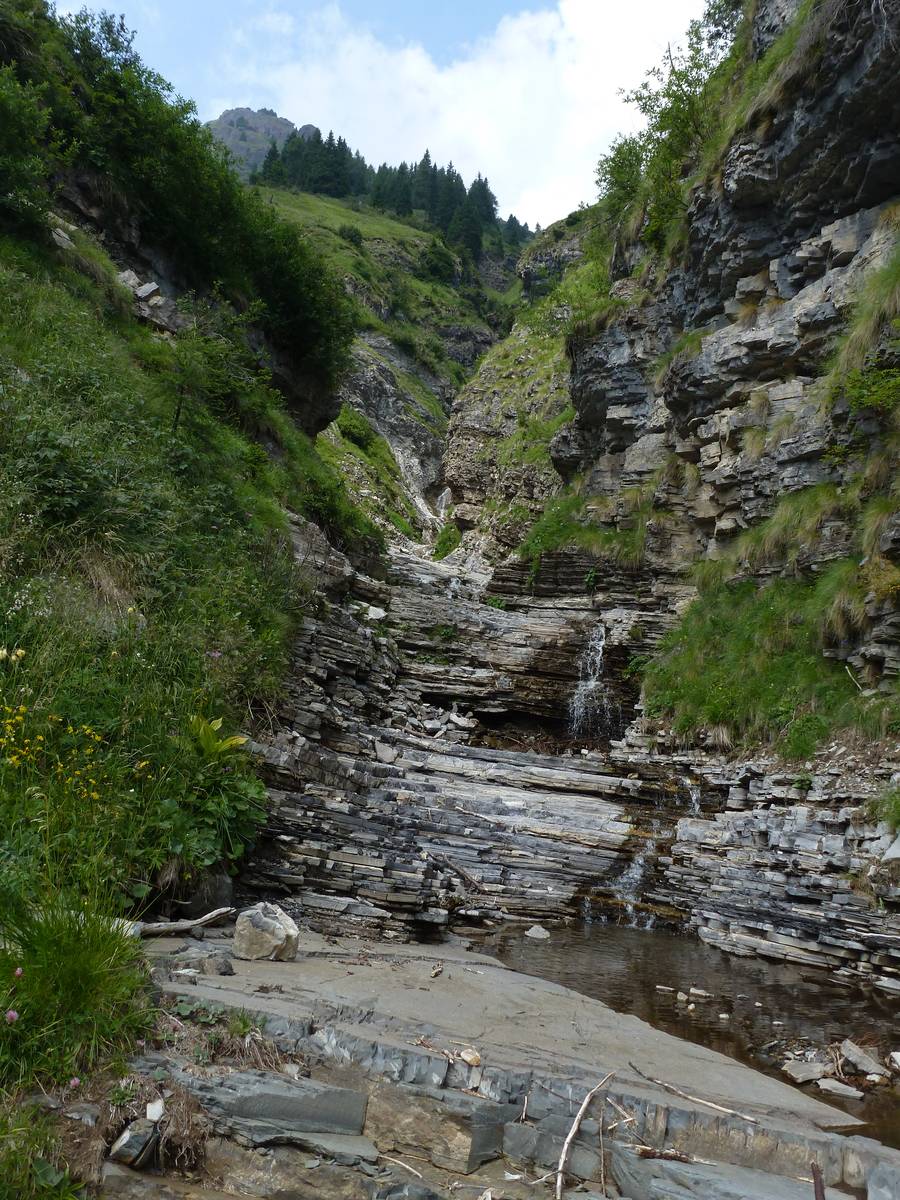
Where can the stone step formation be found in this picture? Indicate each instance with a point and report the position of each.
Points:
(394, 811)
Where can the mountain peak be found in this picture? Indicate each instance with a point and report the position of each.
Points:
(248, 133)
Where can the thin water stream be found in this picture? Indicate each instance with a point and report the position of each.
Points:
(769, 1006)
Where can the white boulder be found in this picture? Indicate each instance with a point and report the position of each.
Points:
(265, 931)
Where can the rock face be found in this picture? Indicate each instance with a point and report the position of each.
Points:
(390, 391)
(498, 477)
(265, 931)
(247, 134)
(416, 775)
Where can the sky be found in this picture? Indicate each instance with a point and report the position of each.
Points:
(526, 93)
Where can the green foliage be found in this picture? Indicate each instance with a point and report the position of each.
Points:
(876, 313)
(876, 388)
(73, 979)
(496, 602)
(887, 807)
(677, 101)
(351, 234)
(437, 262)
(353, 444)
(619, 174)
(356, 428)
(103, 112)
(793, 527)
(685, 347)
(747, 660)
(24, 165)
(445, 633)
(146, 578)
(693, 103)
(30, 1157)
(447, 541)
(566, 522)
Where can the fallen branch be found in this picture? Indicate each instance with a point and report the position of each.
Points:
(465, 876)
(669, 1087)
(570, 1136)
(163, 928)
(853, 677)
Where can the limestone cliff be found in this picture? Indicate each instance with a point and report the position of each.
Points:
(705, 393)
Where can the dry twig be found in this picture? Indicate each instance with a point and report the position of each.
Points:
(570, 1136)
(669, 1087)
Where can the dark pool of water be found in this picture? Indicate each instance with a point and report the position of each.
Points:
(770, 1006)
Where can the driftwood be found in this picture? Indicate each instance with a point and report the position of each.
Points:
(669, 1087)
(164, 928)
(465, 876)
(570, 1136)
(400, 1163)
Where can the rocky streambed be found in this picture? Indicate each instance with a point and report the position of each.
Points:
(376, 1071)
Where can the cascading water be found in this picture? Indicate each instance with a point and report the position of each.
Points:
(590, 711)
(630, 886)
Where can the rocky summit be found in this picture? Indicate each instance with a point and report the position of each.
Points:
(450, 671)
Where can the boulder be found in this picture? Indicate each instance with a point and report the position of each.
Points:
(62, 239)
(265, 931)
(538, 932)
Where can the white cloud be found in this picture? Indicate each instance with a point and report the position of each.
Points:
(532, 105)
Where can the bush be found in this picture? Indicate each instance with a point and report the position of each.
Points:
(447, 541)
(24, 168)
(437, 262)
(351, 234)
(72, 986)
(355, 427)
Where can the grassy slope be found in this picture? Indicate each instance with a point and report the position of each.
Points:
(146, 577)
(397, 299)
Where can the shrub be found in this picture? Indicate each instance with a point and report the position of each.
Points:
(24, 168)
(437, 262)
(447, 541)
(355, 427)
(72, 985)
(351, 234)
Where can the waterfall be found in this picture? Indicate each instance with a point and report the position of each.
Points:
(589, 709)
(630, 886)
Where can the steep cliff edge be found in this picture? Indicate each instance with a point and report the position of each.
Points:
(735, 391)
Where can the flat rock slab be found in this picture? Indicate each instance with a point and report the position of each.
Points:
(261, 1098)
(806, 1072)
(663, 1179)
(523, 1024)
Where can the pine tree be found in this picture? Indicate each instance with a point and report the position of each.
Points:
(272, 169)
